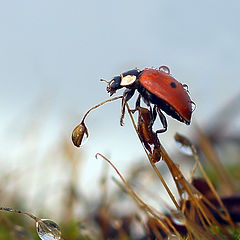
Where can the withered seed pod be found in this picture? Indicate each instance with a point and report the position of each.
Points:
(78, 134)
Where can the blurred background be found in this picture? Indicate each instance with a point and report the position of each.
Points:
(52, 56)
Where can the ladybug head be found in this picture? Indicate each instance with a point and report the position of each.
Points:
(126, 79)
(114, 85)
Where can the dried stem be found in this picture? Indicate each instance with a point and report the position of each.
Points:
(135, 196)
(36, 219)
(226, 182)
(153, 165)
(227, 217)
(99, 105)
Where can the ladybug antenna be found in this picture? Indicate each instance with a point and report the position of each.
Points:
(103, 80)
(193, 105)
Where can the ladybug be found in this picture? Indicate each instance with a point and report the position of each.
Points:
(157, 87)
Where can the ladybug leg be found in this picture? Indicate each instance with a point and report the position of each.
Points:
(127, 94)
(146, 102)
(154, 113)
(163, 121)
(137, 105)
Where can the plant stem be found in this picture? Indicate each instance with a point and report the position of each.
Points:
(153, 165)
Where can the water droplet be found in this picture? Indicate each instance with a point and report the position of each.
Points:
(197, 195)
(164, 69)
(48, 230)
(178, 217)
(185, 149)
(184, 145)
(185, 86)
(173, 237)
(193, 106)
(185, 195)
(80, 135)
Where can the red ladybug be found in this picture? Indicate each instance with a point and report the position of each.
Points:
(158, 87)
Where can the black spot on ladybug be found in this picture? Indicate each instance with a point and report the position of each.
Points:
(173, 84)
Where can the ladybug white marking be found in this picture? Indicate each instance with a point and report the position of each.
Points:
(127, 80)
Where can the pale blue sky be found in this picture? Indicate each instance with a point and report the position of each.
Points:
(65, 47)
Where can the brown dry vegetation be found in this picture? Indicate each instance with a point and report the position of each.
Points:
(206, 205)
